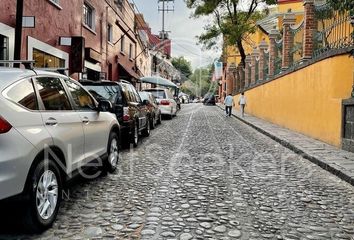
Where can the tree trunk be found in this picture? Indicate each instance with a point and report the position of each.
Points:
(242, 51)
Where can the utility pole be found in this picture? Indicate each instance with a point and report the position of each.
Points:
(164, 8)
(18, 32)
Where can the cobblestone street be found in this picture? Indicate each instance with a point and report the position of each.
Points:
(206, 176)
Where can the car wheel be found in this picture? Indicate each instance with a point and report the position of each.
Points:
(110, 164)
(135, 135)
(153, 122)
(146, 132)
(159, 120)
(44, 191)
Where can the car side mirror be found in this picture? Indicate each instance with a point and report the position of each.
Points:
(104, 106)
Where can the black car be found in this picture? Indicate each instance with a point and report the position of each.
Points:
(209, 99)
(131, 111)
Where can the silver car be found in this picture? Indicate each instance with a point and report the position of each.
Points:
(50, 128)
(167, 103)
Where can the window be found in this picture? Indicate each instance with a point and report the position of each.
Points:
(129, 94)
(160, 94)
(82, 99)
(4, 48)
(53, 94)
(108, 92)
(23, 94)
(122, 40)
(56, 2)
(89, 16)
(45, 60)
(119, 3)
(136, 94)
(144, 95)
(130, 51)
(109, 33)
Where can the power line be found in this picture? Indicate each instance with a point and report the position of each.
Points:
(188, 50)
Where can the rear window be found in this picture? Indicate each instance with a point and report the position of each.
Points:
(130, 93)
(144, 95)
(160, 94)
(108, 92)
(23, 94)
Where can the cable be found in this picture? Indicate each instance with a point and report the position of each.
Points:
(189, 51)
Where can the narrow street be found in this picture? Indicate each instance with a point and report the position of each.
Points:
(206, 176)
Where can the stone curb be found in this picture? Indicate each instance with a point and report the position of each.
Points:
(337, 172)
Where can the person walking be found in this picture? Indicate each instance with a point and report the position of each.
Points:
(229, 102)
(242, 102)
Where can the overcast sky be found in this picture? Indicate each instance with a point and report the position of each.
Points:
(183, 30)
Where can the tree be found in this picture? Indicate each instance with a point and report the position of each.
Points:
(343, 5)
(228, 20)
(200, 83)
(182, 65)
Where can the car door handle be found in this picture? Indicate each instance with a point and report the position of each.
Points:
(85, 120)
(51, 122)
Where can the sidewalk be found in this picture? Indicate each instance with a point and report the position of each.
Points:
(330, 158)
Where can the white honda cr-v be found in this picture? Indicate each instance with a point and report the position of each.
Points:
(50, 128)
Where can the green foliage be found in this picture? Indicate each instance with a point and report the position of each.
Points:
(228, 21)
(182, 65)
(200, 83)
(343, 5)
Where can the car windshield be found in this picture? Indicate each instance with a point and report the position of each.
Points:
(108, 92)
(144, 95)
(160, 94)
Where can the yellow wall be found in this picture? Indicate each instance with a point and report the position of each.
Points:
(233, 56)
(307, 101)
(295, 7)
(253, 40)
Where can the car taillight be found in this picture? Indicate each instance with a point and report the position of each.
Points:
(165, 102)
(4, 126)
(126, 116)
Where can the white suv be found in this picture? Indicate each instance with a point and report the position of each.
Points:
(50, 128)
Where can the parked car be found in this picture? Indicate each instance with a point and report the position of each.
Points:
(184, 99)
(153, 108)
(209, 99)
(50, 128)
(196, 100)
(131, 113)
(165, 99)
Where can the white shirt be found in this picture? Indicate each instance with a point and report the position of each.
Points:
(229, 100)
(242, 100)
